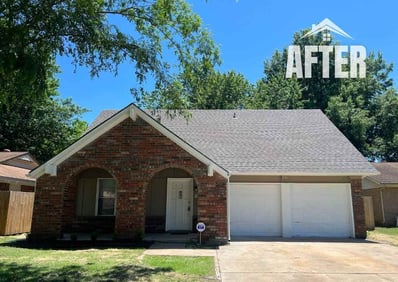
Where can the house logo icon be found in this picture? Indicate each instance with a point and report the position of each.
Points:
(325, 27)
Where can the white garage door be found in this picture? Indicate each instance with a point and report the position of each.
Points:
(291, 210)
(255, 210)
(321, 210)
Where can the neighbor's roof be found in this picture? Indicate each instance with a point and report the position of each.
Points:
(388, 173)
(5, 156)
(14, 173)
(104, 115)
(267, 141)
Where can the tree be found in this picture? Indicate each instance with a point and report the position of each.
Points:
(221, 91)
(274, 91)
(384, 133)
(204, 90)
(33, 32)
(44, 125)
(365, 109)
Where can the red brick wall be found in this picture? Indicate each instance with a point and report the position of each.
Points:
(133, 152)
(359, 212)
(4, 186)
(27, 188)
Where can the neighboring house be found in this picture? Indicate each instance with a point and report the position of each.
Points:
(282, 173)
(14, 167)
(16, 207)
(383, 189)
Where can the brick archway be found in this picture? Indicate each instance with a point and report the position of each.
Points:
(156, 198)
(80, 201)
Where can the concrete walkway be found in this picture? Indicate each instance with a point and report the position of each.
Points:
(352, 260)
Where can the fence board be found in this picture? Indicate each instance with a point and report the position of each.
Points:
(16, 210)
(369, 212)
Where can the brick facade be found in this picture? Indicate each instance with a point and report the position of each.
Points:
(358, 209)
(132, 152)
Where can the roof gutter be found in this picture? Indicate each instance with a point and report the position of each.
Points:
(363, 174)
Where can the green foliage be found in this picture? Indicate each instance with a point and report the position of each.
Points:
(384, 132)
(32, 33)
(220, 91)
(365, 110)
(42, 125)
(352, 120)
(274, 91)
(206, 89)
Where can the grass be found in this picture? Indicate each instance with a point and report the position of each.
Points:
(387, 235)
(201, 266)
(94, 264)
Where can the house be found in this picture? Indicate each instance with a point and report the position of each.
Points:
(14, 167)
(16, 192)
(383, 189)
(279, 173)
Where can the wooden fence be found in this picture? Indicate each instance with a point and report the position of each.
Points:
(16, 209)
(369, 213)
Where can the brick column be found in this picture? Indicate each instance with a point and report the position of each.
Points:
(212, 207)
(47, 211)
(130, 210)
(359, 212)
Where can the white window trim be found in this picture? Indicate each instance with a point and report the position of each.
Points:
(97, 198)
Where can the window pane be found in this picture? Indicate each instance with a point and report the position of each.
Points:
(106, 206)
(106, 196)
(107, 192)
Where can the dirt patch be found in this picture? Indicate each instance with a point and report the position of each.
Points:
(383, 238)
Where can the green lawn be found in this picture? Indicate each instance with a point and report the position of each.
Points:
(96, 264)
(393, 231)
(384, 234)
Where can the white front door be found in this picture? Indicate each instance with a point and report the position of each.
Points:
(179, 204)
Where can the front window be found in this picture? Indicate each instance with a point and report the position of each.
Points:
(106, 195)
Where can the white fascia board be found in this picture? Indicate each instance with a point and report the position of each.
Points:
(301, 174)
(133, 112)
(10, 180)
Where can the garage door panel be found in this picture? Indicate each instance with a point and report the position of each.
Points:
(321, 210)
(255, 210)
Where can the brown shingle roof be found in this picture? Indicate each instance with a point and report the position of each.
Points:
(388, 173)
(267, 141)
(5, 156)
(14, 173)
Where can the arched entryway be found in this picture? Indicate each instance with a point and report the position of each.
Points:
(95, 202)
(171, 202)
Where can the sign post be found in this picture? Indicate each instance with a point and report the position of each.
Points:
(200, 226)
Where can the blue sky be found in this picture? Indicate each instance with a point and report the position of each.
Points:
(247, 33)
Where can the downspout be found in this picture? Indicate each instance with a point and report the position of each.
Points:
(228, 208)
(382, 205)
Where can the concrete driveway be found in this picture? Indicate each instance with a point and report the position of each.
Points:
(351, 260)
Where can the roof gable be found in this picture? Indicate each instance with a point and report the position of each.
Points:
(111, 119)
